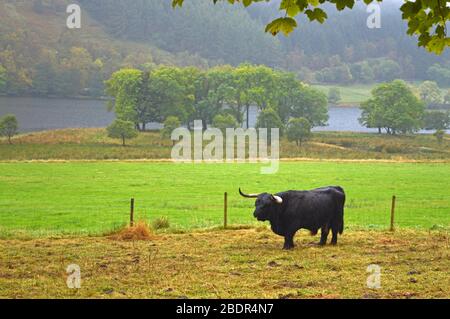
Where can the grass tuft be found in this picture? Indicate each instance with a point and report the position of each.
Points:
(160, 223)
(139, 231)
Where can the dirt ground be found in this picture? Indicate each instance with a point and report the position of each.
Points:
(245, 263)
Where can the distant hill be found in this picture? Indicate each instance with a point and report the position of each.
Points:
(40, 56)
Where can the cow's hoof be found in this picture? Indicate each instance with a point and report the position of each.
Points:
(333, 244)
(288, 247)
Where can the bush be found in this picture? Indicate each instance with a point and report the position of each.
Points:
(160, 223)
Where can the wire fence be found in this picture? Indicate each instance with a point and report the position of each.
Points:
(94, 215)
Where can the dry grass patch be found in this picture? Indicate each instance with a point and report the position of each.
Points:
(246, 263)
(140, 231)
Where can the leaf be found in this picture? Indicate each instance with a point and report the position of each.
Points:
(316, 14)
(285, 25)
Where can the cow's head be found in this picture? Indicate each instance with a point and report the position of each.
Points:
(265, 204)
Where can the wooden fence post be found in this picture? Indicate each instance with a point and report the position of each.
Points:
(392, 213)
(132, 212)
(225, 210)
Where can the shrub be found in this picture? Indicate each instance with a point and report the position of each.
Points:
(160, 223)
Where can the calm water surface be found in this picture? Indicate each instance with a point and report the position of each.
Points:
(36, 114)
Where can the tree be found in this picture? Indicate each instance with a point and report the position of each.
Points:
(8, 126)
(430, 93)
(125, 86)
(439, 73)
(426, 19)
(334, 95)
(394, 107)
(447, 97)
(122, 129)
(268, 119)
(437, 120)
(224, 121)
(298, 130)
(310, 104)
(170, 124)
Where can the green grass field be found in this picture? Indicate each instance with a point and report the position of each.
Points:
(351, 94)
(356, 93)
(41, 199)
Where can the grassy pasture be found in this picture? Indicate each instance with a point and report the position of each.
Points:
(41, 199)
(355, 94)
(245, 263)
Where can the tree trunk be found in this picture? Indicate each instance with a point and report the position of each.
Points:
(9, 139)
(247, 111)
(123, 140)
(143, 126)
(379, 130)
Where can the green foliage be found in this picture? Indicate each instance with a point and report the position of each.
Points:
(447, 97)
(122, 130)
(170, 124)
(437, 120)
(268, 119)
(224, 121)
(336, 74)
(393, 107)
(334, 95)
(440, 73)
(430, 93)
(298, 130)
(125, 86)
(426, 19)
(192, 94)
(8, 126)
(311, 104)
(2, 79)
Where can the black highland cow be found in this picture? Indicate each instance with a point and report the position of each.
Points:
(287, 212)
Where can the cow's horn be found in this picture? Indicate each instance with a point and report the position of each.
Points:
(277, 199)
(248, 195)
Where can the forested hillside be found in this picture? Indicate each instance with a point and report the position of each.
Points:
(39, 55)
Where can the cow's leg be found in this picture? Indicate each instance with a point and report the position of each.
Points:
(334, 231)
(324, 235)
(289, 241)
